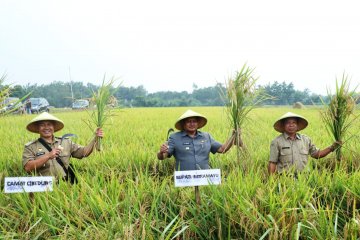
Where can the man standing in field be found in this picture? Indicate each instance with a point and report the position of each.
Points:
(49, 155)
(191, 147)
(289, 151)
(28, 106)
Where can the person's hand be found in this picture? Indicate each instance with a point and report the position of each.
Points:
(54, 153)
(237, 136)
(99, 132)
(164, 148)
(336, 145)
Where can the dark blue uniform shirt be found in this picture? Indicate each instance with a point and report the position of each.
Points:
(192, 153)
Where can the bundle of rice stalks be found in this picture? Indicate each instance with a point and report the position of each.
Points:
(103, 100)
(240, 98)
(337, 114)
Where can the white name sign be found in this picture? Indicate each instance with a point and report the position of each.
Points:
(197, 177)
(28, 184)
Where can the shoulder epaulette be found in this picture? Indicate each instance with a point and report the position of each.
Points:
(29, 143)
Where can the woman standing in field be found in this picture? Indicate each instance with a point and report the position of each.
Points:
(191, 147)
(50, 155)
(289, 151)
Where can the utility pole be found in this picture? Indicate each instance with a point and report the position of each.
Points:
(72, 93)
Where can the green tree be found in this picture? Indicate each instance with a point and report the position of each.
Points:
(285, 94)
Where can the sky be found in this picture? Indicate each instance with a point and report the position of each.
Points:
(167, 45)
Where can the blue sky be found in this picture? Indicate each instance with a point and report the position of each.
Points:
(171, 45)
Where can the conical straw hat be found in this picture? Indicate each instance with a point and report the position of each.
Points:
(279, 126)
(33, 124)
(189, 113)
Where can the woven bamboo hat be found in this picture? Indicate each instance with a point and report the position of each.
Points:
(189, 113)
(33, 124)
(279, 124)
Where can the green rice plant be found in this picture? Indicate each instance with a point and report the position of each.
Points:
(169, 231)
(104, 100)
(126, 193)
(338, 115)
(241, 96)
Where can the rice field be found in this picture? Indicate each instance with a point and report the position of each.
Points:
(124, 192)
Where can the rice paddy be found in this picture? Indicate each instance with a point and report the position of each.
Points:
(124, 192)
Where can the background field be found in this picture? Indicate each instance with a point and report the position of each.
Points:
(126, 193)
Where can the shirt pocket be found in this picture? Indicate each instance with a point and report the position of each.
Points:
(45, 166)
(304, 151)
(204, 147)
(286, 156)
(285, 151)
(184, 148)
(65, 152)
(39, 155)
(65, 158)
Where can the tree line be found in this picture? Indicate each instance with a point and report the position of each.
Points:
(62, 94)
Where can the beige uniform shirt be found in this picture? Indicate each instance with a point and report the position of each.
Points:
(35, 149)
(291, 154)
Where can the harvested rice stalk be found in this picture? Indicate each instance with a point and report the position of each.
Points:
(104, 100)
(241, 96)
(338, 116)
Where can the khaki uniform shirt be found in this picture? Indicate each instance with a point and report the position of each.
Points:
(291, 154)
(35, 149)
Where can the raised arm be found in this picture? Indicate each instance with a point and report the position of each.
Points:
(90, 147)
(228, 144)
(326, 151)
(163, 153)
(39, 162)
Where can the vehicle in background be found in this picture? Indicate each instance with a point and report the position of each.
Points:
(80, 104)
(12, 105)
(39, 105)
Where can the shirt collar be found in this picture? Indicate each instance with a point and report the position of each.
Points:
(198, 133)
(55, 139)
(286, 136)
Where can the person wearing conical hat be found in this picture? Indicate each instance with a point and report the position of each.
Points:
(190, 146)
(39, 160)
(290, 150)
